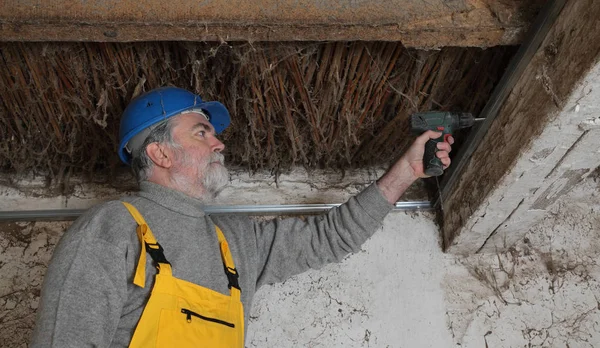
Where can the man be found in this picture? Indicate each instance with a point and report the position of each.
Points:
(196, 287)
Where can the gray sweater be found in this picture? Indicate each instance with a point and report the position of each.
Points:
(88, 297)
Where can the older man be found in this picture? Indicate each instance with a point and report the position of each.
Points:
(196, 286)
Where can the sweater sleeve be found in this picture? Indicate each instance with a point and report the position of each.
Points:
(83, 292)
(290, 246)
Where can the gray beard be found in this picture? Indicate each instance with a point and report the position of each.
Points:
(216, 176)
(214, 179)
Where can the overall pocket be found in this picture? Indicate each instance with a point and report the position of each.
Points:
(189, 328)
(189, 314)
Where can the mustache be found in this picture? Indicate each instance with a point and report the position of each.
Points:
(217, 157)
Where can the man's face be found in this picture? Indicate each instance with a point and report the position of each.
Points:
(198, 166)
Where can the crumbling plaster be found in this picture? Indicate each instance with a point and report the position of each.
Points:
(399, 291)
(563, 155)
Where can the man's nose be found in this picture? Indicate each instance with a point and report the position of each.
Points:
(218, 146)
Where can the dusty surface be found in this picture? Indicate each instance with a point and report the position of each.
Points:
(25, 250)
(422, 24)
(544, 291)
(330, 105)
(297, 186)
(399, 291)
(303, 11)
(569, 51)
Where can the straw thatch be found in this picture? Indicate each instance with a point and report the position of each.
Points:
(337, 105)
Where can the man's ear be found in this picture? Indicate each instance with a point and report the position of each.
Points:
(160, 154)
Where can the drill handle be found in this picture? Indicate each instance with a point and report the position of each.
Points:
(431, 163)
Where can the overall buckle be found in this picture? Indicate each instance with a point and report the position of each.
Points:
(232, 277)
(156, 253)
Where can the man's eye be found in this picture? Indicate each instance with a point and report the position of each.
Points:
(202, 133)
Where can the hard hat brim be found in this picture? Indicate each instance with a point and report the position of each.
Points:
(218, 115)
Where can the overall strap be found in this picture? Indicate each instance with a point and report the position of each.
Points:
(230, 270)
(149, 245)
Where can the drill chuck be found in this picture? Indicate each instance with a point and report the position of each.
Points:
(465, 120)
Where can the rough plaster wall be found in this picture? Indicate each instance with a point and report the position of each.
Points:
(25, 250)
(544, 291)
(566, 152)
(295, 187)
(400, 291)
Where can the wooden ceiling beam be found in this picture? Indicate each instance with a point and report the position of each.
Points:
(416, 23)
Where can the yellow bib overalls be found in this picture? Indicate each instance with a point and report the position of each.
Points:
(183, 314)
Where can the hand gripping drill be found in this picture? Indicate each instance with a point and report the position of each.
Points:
(440, 121)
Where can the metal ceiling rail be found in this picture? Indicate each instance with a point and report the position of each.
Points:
(284, 209)
(536, 35)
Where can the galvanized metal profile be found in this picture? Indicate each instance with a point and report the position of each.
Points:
(536, 35)
(285, 209)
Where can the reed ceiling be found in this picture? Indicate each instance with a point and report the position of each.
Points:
(338, 105)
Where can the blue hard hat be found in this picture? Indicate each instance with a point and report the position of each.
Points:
(158, 105)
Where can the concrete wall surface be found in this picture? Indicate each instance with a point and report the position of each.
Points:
(399, 291)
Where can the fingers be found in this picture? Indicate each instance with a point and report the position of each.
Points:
(446, 162)
(443, 153)
(444, 157)
(422, 139)
(444, 146)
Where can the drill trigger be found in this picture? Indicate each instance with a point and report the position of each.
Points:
(446, 136)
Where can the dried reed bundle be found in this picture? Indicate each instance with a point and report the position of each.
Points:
(336, 105)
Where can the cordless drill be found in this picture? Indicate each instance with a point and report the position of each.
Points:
(440, 121)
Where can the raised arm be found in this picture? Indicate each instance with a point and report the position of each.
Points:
(290, 246)
(286, 247)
